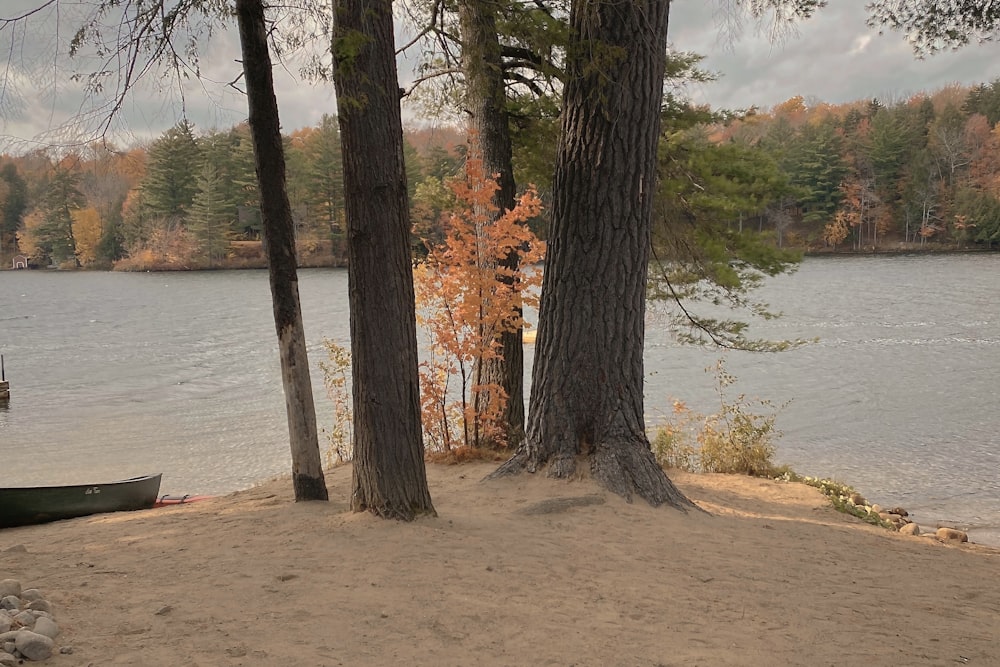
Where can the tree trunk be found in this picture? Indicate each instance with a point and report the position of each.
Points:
(586, 396)
(486, 105)
(389, 475)
(276, 215)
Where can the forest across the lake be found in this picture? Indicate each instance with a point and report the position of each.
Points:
(874, 175)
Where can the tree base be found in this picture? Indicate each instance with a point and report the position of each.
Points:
(309, 488)
(625, 469)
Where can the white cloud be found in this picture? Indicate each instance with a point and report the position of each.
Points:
(861, 43)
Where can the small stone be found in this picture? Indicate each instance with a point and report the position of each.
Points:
(858, 499)
(900, 511)
(7, 660)
(8, 637)
(26, 619)
(66, 650)
(8, 647)
(10, 587)
(16, 549)
(5, 621)
(33, 646)
(876, 508)
(910, 529)
(31, 594)
(11, 602)
(951, 534)
(47, 627)
(165, 609)
(40, 605)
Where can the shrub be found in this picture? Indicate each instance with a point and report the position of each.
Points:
(734, 440)
(340, 437)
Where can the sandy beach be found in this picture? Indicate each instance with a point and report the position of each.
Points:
(769, 575)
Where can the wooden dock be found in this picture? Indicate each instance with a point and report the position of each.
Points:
(4, 385)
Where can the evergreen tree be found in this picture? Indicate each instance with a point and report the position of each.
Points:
(985, 99)
(211, 217)
(815, 165)
(326, 176)
(13, 206)
(55, 235)
(171, 179)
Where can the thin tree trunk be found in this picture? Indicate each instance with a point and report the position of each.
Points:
(486, 105)
(587, 389)
(389, 475)
(279, 239)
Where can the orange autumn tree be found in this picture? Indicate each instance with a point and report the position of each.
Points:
(465, 299)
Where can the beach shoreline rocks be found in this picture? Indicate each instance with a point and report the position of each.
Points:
(28, 629)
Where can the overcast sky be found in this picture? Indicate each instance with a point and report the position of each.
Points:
(833, 57)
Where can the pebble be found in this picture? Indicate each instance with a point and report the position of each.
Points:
(7, 660)
(10, 587)
(910, 529)
(10, 602)
(25, 618)
(40, 605)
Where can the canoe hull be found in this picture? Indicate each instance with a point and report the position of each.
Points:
(24, 506)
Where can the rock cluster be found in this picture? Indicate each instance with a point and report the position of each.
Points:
(27, 627)
(896, 518)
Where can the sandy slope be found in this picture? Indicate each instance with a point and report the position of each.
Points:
(772, 577)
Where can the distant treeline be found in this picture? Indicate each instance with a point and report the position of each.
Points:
(919, 173)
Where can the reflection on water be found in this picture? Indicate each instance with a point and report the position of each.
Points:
(114, 375)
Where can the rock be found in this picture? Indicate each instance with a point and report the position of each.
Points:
(11, 602)
(33, 646)
(16, 549)
(31, 594)
(8, 647)
(858, 499)
(10, 587)
(8, 636)
(25, 618)
(47, 627)
(876, 509)
(895, 510)
(7, 660)
(66, 650)
(951, 534)
(40, 605)
(5, 622)
(910, 529)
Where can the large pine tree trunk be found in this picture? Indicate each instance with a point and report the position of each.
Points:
(587, 385)
(307, 469)
(389, 475)
(487, 110)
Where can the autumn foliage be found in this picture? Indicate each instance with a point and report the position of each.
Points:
(465, 299)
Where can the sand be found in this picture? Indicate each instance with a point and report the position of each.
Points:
(770, 575)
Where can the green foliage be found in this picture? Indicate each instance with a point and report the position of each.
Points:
(172, 172)
(736, 440)
(340, 437)
(13, 206)
(54, 237)
(706, 241)
(815, 164)
(839, 495)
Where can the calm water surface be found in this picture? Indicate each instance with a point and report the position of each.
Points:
(114, 375)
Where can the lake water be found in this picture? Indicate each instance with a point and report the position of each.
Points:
(119, 374)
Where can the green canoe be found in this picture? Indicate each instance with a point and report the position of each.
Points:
(23, 506)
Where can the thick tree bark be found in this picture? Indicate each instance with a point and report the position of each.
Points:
(389, 475)
(487, 110)
(587, 382)
(276, 213)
